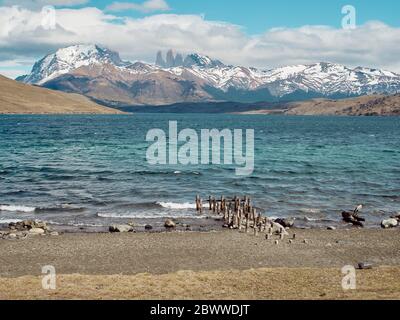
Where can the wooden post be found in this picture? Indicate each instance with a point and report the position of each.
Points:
(201, 205)
(254, 213)
(247, 222)
(210, 203)
(214, 205)
(240, 220)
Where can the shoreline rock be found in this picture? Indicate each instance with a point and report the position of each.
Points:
(122, 228)
(169, 224)
(389, 223)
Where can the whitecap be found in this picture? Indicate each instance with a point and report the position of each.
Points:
(6, 207)
(7, 221)
(178, 206)
(148, 216)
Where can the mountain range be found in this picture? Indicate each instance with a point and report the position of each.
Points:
(100, 74)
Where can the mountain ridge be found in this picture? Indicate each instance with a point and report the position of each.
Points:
(100, 74)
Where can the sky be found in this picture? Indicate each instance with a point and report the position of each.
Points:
(259, 33)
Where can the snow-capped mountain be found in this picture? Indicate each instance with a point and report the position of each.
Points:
(69, 59)
(100, 74)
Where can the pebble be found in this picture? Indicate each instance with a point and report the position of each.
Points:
(364, 266)
(331, 228)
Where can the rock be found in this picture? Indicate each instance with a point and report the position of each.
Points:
(12, 236)
(27, 225)
(353, 218)
(36, 231)
(279, 229)
(286, 222)
(169, 224)
(397, 217)
(331, 228)
(389, 223)
(54, 233)
(364, 266)
(148, 227)
(121, 228)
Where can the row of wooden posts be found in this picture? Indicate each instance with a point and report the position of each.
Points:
(238, 213)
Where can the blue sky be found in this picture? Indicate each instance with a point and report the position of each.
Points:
(259, 33)
(256, 16)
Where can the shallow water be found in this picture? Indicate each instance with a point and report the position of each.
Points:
(92, 170)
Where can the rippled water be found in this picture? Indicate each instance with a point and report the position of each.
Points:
(91, 170)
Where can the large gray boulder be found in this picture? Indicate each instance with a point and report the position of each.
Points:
(121, 228)
(389, 223)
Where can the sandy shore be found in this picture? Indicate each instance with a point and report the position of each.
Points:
(224, 264)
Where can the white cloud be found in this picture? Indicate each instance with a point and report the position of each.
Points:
(22, 37)
(147, 6)
(42, 3)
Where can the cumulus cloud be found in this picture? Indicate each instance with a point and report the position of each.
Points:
(147, 6)
(22, 37)
(42, 3)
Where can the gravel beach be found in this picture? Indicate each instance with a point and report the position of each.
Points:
(161, 256)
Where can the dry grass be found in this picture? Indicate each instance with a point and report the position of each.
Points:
(19, 98)
(260, 284)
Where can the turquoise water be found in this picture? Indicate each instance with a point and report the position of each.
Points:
(92, 170)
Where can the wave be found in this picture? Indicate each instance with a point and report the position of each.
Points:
(148, 216)
(61, 208)
(177, 206)
(7, 221)
(16, 208)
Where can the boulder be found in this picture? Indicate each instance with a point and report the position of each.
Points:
(286, 222)
(169, 224)
(389, 223)
(397, 217)
(353, 218)
(278, 229)
(121, 228)
(148, 227)
(36, 231)
(12, 236)
(27, 225)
